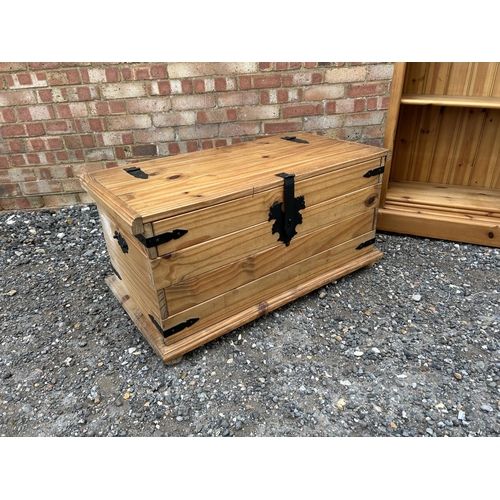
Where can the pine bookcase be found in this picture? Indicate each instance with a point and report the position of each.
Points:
(443, 128)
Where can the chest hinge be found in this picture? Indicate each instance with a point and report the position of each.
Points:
(365, 244)
(153, 241)
(121, 241)
(375, 171)
(175, 329)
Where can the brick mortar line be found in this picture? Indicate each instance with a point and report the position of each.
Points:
(191, 79)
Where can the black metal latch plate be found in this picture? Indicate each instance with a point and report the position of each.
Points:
(286, 220)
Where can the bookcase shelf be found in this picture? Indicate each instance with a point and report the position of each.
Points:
(448, 100)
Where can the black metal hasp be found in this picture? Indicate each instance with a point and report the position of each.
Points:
(121, 241)
(136, 172)
(286, 220)
(365, 244)
(152, 241)
(295, 139)
(375, 171)
(175, 329)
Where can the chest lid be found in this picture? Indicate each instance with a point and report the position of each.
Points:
(153, 190)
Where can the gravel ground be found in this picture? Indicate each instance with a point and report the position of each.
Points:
(408, 347)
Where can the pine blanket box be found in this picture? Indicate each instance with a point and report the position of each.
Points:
(204, 242)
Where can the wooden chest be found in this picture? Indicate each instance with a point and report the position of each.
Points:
(204, 242)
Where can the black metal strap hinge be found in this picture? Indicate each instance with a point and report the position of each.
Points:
(375, 171)
(366, 244)
(121, 241)
(175, 329)
(136, 172)
(295, 139)
(152, 241)
(286, 219)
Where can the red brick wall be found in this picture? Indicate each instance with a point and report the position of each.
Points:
(60, 119)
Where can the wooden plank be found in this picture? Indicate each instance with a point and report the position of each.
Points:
(459, 78)
(394, 104)
(423, 153)
(447, 137)
(443, 197)
(467, 146)
(258, 292)
(406, 139)
(486, 162)
(436, 78)
(438, 225)
(148, 233)
(482, 79)
(205, 158)
(455, 101)
(391, 123)
(198, 259)
(224, 218)
(162, 302)
(416, 73)
(496, 180)
(466, 216)
(495, 89)
(188, 293)
(449, 210)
